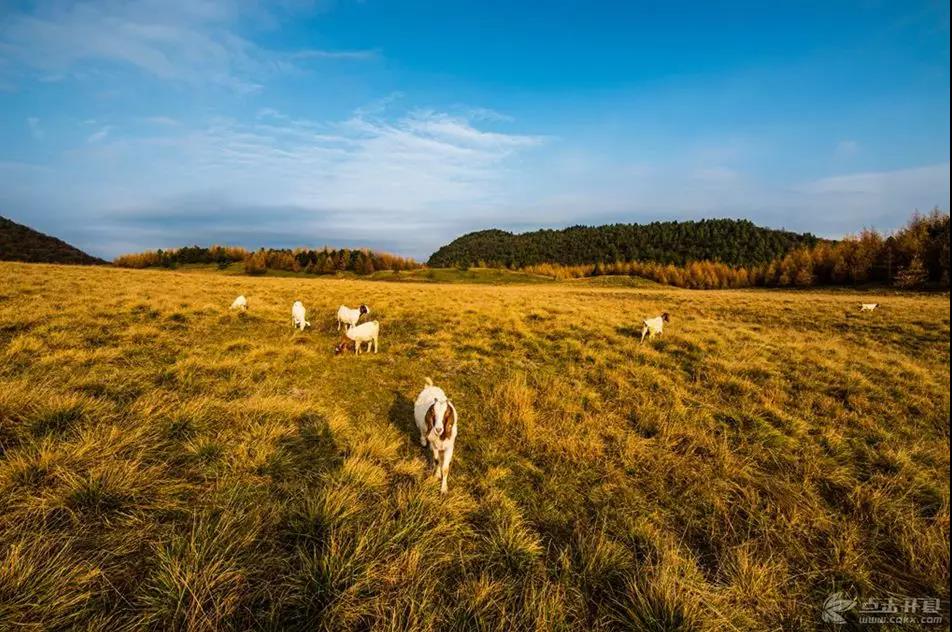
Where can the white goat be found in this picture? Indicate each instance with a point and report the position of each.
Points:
(868, 307)
(436, 419)
(240, 303)
(298, 320)
(654, 326)
(350, 316)
(357, 335)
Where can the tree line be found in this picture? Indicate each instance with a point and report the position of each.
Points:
(915, 256)
(306, 260)
(732, 242)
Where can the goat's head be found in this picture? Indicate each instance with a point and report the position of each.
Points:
(666, 317)
(364, 309)
(343, 345)
(440, 418)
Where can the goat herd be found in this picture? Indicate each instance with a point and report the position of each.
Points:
(434, 413)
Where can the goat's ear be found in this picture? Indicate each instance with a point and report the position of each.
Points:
(430, 418)
(449, 417)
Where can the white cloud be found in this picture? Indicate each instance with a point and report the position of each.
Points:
(410, 181)
(164, 121)
(459, 130)
(99, 134)
(176, 40)
(881, 199)
(879, 183)
(400, 182)
(334, 54)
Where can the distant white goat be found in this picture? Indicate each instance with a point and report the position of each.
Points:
(298, 312)
(436, 419)
(357, 335)
(654, 326)
(868, 307)
(240, 303)
(350, 316)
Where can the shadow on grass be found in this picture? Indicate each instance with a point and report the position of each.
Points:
(308, 453)
(629, 332)
(401, 416)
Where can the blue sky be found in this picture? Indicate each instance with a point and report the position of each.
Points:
(400, 125)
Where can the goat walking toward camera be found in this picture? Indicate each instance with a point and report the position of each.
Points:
(654, 326)
(298, 313)
(436, 420)
(349, 317)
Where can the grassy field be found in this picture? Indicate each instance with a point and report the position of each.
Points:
(168, 464)
(493, 276)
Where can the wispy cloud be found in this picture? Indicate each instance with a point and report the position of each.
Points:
(99, 134)
(882, 182)
(386, 181)
(591, 191)
(401, 164)
(334, 54)
(164, 121)
(175, 40)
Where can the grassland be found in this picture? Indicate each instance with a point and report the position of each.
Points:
(479, 276)
(168, 464)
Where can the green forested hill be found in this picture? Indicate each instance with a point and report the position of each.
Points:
(22, 243)
(735, 242)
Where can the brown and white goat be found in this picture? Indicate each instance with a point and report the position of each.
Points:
(437, 422)
(354, 337)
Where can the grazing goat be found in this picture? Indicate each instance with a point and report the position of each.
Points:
(240, 303)
(297, 316)
(350, 316)
(654, 326)
(357, 335)
(868, 307)
(436, 419)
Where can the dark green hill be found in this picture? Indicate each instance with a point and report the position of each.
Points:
(735, 242)
(22, 243)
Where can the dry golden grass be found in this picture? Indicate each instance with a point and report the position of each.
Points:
(169, 464)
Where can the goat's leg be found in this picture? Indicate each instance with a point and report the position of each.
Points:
(437, 472)
(375, 344)
(644, 332)
(447, 457)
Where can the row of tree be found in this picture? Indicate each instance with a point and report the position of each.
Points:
(311, 261)
(734, 242)
(326, 261)
(916, 256)
(174, 257)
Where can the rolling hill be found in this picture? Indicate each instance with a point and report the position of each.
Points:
(22, 243)
(735, 242)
